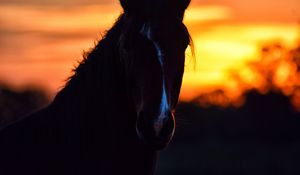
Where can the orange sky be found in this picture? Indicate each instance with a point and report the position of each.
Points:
(46, 39)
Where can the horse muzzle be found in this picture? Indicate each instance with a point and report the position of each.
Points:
(156, 132)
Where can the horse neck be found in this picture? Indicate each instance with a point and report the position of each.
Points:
(97, 88)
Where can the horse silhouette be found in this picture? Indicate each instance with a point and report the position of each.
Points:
(116, 112)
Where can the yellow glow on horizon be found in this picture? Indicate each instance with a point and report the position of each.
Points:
(200, 14)
(228, 48)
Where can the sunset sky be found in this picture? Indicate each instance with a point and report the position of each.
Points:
(41, 41)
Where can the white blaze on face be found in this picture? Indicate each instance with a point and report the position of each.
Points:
(164, 106)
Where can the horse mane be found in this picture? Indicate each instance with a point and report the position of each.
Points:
(94, 73)
(101, 52)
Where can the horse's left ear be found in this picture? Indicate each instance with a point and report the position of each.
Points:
(179, 6)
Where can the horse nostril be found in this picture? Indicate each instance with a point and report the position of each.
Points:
(164, 127)
(156, 132)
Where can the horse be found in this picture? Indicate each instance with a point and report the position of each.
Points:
(116, 112)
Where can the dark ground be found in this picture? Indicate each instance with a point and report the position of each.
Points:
(17, 103)
(261, 138)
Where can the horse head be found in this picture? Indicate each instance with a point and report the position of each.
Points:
(155, 45)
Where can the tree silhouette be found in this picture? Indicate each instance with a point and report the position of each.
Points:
(16, 103)
(276, 70)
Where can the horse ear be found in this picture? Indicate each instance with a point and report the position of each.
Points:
(134, 5)
(141, 6)
(155, 6)
(179, 6)
(126, 4)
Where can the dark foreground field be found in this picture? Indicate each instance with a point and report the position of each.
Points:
(261, 138)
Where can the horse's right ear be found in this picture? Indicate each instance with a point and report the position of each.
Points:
(125, 4)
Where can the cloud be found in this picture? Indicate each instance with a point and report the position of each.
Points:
(32, 18)
(57, 2)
